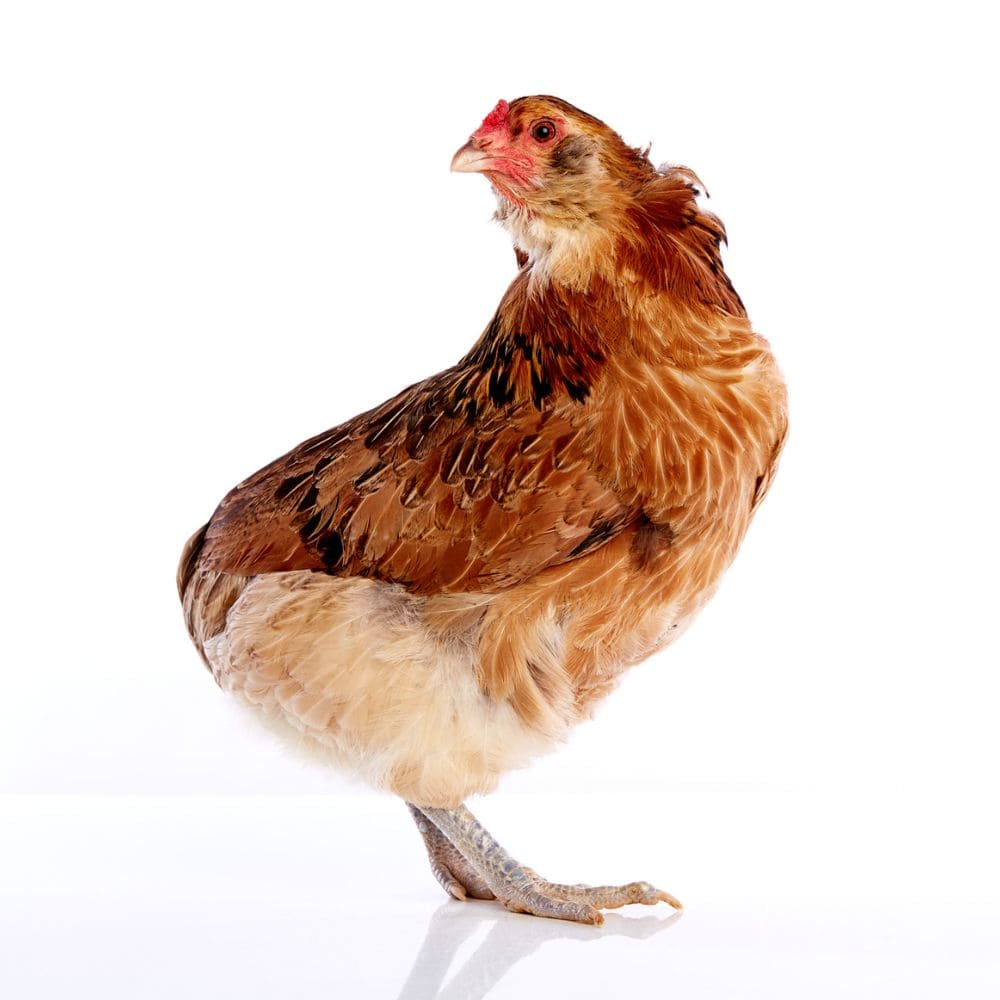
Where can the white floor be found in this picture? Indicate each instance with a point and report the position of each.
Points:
(285, 896)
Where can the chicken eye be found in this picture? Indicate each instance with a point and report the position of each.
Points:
(543, 130)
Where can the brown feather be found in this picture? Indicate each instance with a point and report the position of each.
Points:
(474, 479)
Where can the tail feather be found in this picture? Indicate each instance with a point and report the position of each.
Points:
(206, 595)
(189, 559)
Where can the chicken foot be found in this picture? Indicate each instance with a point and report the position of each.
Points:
(520, 888)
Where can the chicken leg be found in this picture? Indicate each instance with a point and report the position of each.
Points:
(519, 888)
(457, 877)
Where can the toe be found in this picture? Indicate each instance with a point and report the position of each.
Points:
(479, 892)
(648, 895)
(541, 904)
(643, 892)
(447, 881)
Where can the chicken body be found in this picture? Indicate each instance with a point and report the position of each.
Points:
(437, 590)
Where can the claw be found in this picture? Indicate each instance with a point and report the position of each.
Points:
(665, 897)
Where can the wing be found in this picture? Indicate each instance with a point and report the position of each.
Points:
(438, 489)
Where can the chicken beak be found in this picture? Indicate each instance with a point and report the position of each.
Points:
(471, 159)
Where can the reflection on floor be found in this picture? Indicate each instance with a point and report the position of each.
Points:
(512, 938)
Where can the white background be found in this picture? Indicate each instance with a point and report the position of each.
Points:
(225, 227)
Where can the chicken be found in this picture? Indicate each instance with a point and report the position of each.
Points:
(438, 590)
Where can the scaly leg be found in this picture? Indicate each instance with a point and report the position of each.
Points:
(523, 890)
(457, 877)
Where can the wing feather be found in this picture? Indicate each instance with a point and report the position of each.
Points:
(435, 496)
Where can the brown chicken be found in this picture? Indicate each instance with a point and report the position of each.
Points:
(438, 590)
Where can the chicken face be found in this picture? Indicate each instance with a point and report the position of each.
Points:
(514, 149)
(557, 171)
(533, 144)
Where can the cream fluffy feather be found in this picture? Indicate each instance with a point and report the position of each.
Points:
(351, 666)
(351, 672)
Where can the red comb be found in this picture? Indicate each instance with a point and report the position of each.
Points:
(496, 119)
